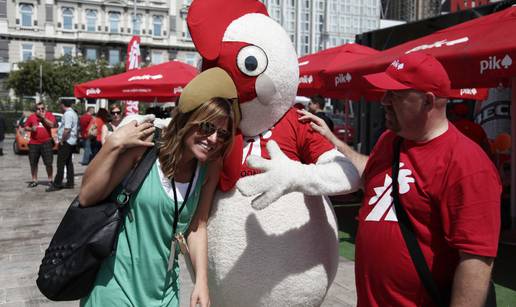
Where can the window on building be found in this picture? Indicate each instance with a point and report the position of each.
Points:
(91, 20)
(67, 51)
(290, 24)
(305, 44)
(114, 22)
(186, 33)
(156, 57)
(67, 18)
(305, 22)
(137, 23)
(320, 23)
(114, 57)
(190, 59)
(91, 54)
(27, 52)
(334, 25)
(157, 23)
(26, 12)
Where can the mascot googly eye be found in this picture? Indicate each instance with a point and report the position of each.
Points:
(252, 61)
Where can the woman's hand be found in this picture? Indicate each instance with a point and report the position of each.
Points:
(132, 135)
(200, 295)
(317, 124)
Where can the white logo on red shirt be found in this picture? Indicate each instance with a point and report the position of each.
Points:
(382, 200)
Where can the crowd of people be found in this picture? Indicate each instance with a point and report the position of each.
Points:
(450, 192)
(89, 131)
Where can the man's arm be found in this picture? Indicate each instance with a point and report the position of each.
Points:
(359, 160)
(471, 281)
(66, 135)
(48, 123)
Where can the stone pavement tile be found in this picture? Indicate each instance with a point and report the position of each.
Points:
(22, 294)
(40, 303)
(18, 279)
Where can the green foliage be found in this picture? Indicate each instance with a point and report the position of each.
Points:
(58, 77)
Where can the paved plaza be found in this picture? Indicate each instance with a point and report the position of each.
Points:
(29, 216)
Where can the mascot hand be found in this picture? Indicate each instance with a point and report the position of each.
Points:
(279, 177)
(138, 118)
(332, 174)
(160, 123)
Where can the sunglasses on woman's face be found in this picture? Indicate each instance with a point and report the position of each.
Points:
(207, 129)
(115, 112)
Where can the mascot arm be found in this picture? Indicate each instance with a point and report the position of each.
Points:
(332, 174)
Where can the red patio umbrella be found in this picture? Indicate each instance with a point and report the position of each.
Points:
(477, 53)
(160, 82)
(311, 67)
(313, 80)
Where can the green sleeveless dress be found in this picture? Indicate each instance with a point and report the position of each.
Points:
(136, 275)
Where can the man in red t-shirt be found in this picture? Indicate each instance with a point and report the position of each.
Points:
(40, 124)
(447, 185)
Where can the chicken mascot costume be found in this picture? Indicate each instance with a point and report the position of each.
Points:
(273, 239)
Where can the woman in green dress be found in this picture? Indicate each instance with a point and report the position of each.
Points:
(175, 196)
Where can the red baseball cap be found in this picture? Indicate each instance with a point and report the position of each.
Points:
(418, 71)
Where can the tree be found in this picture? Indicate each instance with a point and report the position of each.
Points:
(26, 80)
(58, 77)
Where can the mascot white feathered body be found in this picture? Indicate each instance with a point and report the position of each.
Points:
(280, 248)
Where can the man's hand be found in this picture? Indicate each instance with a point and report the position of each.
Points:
(317, 124)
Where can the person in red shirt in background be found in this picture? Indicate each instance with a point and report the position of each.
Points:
(95, 130)
(84, 122)
(458, 115)
(448, 187)
(40, 124)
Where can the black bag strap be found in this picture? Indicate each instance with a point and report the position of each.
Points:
(407, 230)
(138, 174)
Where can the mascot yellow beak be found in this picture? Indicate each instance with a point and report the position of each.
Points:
(214, 82)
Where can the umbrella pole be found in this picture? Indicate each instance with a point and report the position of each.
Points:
(513, 155)
(509, 236)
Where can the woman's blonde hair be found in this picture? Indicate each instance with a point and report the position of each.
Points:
(172, 143)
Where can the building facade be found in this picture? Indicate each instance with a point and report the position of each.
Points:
(314, 25)
(410, 10)
(50, 29)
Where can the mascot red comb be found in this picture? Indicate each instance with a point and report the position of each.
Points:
(272, 237)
